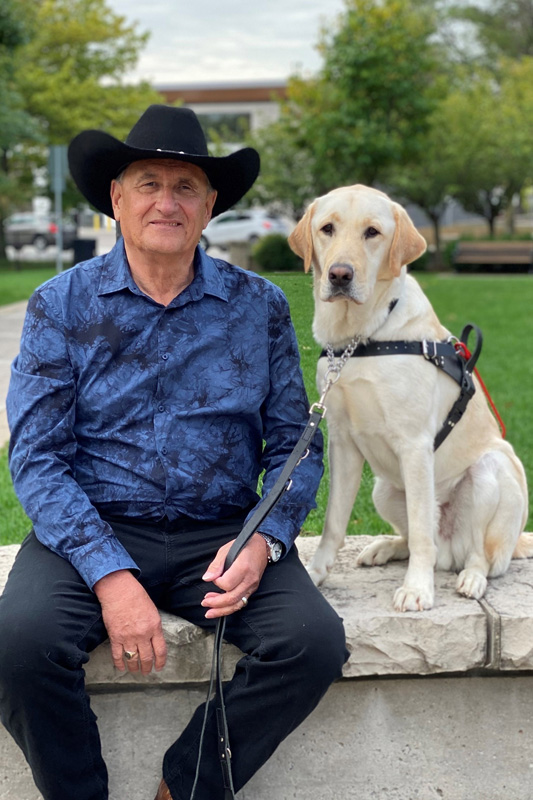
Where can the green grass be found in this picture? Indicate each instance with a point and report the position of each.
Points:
(500, 305)
(18, 280)
(14, 524)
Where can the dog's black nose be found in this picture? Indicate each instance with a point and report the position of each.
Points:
(340, 274)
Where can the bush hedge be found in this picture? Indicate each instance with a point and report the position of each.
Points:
(273, 254)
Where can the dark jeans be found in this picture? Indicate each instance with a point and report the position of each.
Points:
(50, 621)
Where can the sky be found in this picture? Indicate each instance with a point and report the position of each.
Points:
(217, 41)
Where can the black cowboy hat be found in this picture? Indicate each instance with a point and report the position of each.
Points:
(95, 157)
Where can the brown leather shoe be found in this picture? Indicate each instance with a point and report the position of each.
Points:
(163, 793)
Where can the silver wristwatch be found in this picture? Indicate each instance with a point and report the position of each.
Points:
(275, 548)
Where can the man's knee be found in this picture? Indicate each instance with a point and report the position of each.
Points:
(28, 649)
(317, 646)
(326, 648)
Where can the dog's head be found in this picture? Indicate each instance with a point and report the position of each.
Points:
(353, 237)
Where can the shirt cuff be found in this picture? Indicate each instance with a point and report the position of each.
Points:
(97, 559)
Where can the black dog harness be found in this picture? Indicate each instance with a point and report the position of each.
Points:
(451, 356)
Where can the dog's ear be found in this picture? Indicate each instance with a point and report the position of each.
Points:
(301, 240)
(407, 245)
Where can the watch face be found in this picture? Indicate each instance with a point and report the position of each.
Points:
(275, 551)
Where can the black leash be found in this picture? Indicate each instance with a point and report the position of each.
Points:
(447, 356)
(282, 485)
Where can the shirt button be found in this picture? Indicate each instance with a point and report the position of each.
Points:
(168, 501)
(164, 356)
(161, 408)
(164, 451)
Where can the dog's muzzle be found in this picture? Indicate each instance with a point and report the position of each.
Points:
(340, 276)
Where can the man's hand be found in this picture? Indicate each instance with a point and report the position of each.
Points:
(240, 580)
(132, 621)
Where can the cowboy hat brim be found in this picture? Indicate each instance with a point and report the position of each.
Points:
(95, 158)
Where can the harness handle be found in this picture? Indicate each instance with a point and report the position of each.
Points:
(463, 350)
(462, 346)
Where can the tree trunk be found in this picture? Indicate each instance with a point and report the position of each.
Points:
(3, 254)
(437, 258)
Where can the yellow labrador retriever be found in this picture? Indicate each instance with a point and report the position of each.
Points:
(460, 507)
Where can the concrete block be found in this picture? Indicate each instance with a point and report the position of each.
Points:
(395, 727)
(432, 738)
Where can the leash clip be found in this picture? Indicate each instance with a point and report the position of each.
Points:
(319, 407)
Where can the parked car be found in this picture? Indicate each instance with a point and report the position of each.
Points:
(37, 230)
(245, 225)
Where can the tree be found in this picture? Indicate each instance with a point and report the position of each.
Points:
(65, 72)
(286, 178)
(72, 69)
(426, 181)
(502, 27)
(16, 126)
(368, 108)
(487, 142)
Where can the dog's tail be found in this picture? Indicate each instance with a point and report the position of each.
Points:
(524, 546)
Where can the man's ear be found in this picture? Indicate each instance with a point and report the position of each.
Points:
(301, 240)
(115, 193)
(407, 245)
(209, 203)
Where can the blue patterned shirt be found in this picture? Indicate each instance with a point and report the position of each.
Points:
(122, 406)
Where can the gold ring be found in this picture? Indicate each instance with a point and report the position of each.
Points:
(244, 601)
(129, 654)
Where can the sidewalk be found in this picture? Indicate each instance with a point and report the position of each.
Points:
(11, 320)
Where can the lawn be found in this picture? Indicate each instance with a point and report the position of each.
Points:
(18, 280)
(500, 305)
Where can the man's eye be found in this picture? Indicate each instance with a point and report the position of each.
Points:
(371, 233)
(327, 229)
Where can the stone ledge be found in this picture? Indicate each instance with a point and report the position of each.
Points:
(456, 636)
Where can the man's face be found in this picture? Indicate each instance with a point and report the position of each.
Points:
(162, 206)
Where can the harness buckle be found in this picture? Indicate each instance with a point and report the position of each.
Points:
(425, 350)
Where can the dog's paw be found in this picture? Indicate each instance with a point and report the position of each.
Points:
(413, 599)
(317, 574)
(381, 551)
(471, 583)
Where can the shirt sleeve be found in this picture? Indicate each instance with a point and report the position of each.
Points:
(41, 408)
(285, 414)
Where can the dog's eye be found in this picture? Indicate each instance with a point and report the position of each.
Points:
(371, 233)
(327, 229)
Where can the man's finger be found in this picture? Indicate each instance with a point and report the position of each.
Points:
(145, 659)
(159, 647)
(132, 664)
(117, 654)
(216, 567)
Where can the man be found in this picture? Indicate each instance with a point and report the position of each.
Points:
(153, 386)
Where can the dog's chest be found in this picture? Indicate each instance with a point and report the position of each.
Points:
(382, 404)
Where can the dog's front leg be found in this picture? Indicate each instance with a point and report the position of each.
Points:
(345, 466)
(417, 464)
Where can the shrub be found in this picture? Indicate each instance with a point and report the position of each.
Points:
(273, 254)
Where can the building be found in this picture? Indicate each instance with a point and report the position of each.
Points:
(229, 110)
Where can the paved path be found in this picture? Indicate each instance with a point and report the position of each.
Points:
(11, 319)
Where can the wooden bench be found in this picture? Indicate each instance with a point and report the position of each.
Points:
(494, 254)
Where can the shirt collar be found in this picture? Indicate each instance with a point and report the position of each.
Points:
(207, 279)
(116, 273)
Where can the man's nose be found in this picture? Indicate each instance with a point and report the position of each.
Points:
(166, 201)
